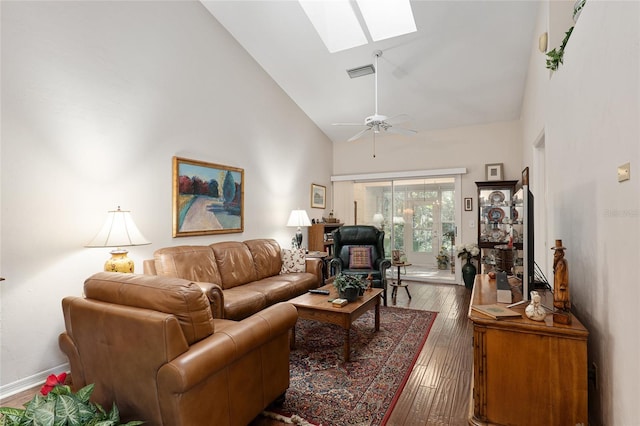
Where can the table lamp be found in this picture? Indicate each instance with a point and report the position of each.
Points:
(378, 220)
(118, 231)
(299, 218)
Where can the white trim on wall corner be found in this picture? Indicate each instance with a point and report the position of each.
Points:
(399, 175)
(32, 381)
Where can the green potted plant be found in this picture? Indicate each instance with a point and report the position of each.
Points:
(349, 286)
(443, 258)
(56, 404)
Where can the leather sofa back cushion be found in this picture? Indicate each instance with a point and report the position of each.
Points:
(181, 298)
(266, 256)
(193, 263)
(235, 263)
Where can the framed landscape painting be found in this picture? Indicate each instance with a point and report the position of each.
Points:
(207, 198)
(318, 196)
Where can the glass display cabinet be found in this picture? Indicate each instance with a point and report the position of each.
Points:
(500, 227)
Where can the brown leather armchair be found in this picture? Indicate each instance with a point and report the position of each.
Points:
(151, 345)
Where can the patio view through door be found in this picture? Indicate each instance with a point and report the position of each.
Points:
(421, 234)
(418, 217)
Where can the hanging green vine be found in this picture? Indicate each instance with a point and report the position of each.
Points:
(577, 8)
(555, 56)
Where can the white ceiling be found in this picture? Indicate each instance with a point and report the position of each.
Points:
(465, 65)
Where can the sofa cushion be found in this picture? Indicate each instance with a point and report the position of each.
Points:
(194, 263)
(241, 302)
(266, 256)
(360, 257)
(235, 263)
(181, 298)
(283, 287)
(293, 261)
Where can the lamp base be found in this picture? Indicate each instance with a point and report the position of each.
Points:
(119, 262)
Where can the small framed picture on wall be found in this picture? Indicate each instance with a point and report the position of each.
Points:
(493, 171)
(318, 196)
(468, 204)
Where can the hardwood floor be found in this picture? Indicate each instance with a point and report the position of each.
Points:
(439, 387)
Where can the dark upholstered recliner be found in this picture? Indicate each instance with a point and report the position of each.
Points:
(352, 245)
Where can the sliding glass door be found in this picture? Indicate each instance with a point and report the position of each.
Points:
(417, 215)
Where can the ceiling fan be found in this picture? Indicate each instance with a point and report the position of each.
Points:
(378, 122)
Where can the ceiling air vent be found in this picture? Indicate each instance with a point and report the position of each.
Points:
(360, 71)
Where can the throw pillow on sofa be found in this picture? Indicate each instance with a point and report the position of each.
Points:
(293, 261)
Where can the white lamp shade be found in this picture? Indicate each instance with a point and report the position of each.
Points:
(118, 230)
(299, 218)
(378, 218)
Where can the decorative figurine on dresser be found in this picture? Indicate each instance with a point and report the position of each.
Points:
(561, 297)
(535, 311)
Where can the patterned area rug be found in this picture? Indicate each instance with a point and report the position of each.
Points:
(326, 391)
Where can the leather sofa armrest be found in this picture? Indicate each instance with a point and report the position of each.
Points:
(216, 298)
(315, 266)
(69, 348)
(336, 265)
(384, 264)
(212, 354)
(149, 267)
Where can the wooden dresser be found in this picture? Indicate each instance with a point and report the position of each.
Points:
(526, 372)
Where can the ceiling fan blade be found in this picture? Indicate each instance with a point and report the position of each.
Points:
(397, 119)
(401, 131)
(358, 135)
(348, 124)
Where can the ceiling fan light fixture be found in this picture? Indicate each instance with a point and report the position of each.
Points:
(361, 71)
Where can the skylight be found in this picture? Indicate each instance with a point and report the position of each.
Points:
(387, 18)
(336, 21)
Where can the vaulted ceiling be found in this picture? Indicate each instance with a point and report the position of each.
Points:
(465, 65)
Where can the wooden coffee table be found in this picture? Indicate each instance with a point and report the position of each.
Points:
(318, 308)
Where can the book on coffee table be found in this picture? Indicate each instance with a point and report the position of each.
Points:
(496, 311)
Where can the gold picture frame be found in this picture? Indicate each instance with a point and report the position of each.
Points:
(208, 198)
(318, 196)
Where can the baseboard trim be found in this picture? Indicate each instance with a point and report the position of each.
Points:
(11, 389)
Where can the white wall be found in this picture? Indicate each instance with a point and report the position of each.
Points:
(97, 97)
(591, 116)
(470, 147)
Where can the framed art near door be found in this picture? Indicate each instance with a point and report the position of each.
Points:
(468, 204)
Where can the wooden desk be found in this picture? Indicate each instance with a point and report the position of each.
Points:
(526, 372)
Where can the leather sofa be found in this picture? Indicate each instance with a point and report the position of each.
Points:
(239, 278)
(151, 346)
(348, 238)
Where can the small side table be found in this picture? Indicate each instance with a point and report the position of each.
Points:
(399, 283)
(324, 256)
